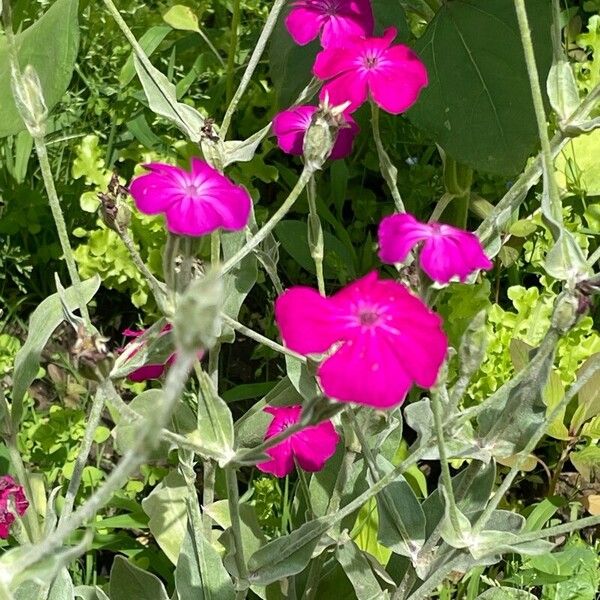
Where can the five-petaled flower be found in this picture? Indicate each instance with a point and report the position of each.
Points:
(290, 127)
(447, 252)
(393, 76)
(381, 339)
(12, 498)
(336, 20)
(195, 202)
(310, 447)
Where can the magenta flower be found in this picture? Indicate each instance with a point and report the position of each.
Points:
(290, 128)
(381, 339)
(392, 76)
(311, 447)
(195, 202)
(150, 371)
(12, 498)
(336, 20)
(447, 251)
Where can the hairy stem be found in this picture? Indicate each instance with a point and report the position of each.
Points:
(233, 44)
(315, 234)
(233, 499)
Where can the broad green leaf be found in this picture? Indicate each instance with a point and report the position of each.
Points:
(128, 582)
(200, 573)
(359, 572)
(238, 282)
(50, 45)
(42, 323)
(301, 379)
(162, 98)
(478, 104)
(365, 533)
(588, 398)
(181, 17)
(562, 88)
(578, 165)
(290, 65)
(149, 42)
(166, 507)
(587, 462)
(543, 512)
(244, 151)
(287, 555)
(62, 587)
(389, 13)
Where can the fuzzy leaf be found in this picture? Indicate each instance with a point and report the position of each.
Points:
(128, 582)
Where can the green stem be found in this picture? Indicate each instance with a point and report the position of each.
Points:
(264, 231)
(252, 64)
(436, 406)
(559, 529)
(540, 113)
(388, 170)
(233, 499)
(261, 338)
(214, 353)
(208, 496)
(93, 421)
(252, 455)
(315, 234)
(233, 44)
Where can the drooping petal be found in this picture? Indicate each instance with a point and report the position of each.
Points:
(289, 126)
(192, 217)
(351, 86)
(146, 373)
(395, 85)
(345, 139)
(398, 234)
(364, 371)
(308, 322)
(314, 446)
(303, 25)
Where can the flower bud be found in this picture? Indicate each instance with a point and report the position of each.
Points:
(566, 312)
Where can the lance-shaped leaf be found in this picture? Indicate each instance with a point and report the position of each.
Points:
(215, 423)
(244, 151)
(162, 99)
(200, 573)
(128, 582)
(50, 45)
(358, 570)
(42, 323)
(505, 593)
(88, 592)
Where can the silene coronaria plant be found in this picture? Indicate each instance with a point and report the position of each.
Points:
(371, 386)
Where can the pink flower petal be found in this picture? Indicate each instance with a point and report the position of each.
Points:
(153, 193)
(289, 126)
(398, 235)
(314, 446)
(353, 20)
(334, 61)
(282, 460)
(308, 322)
(345, 139)
(365, 371)
(146, 373)
(351, 86)
(303, 24)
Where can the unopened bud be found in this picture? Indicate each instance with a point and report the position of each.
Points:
(29, 98)
(566, 312)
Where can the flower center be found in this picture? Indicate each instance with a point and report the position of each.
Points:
(330, 7)
(192, 189)
(370, 60)
(368, 317)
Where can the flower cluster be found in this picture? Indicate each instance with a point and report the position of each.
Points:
(12, 499)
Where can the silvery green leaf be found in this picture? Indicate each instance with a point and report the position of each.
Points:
(162, 98)
(88, 592)
(358, 570)
(42, 323)
(288, 554)
(505, 593)
(401, 518)
(244, 151)
(419, 417)
(197, 320)
(128, 582)
(215, 423)
(562, 89)
(473, 345)
(301, 378)
(167, 509)
(200, 573)
(463, 538)
(62, 587)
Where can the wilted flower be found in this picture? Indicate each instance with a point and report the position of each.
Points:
(290, 127)
(336, 20)
(392, 76)
(311, 447)
(12, 497)
(382, 339)
(447, 251)
(195, 202)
